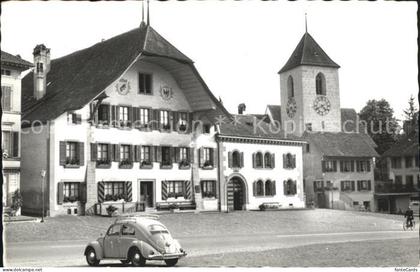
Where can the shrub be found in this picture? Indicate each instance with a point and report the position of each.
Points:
(111, 209)
(17, 201)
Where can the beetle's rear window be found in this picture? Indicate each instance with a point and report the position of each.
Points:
(157, 229)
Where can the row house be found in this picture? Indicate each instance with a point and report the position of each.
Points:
(402, 187)
(258, 166)
(339, 156)
(129, 122)
(11, 68)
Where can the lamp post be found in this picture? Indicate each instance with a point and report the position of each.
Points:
(43, 172)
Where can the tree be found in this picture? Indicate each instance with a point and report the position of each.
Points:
(381, 124)
(410, 116)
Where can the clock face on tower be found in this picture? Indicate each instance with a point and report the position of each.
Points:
(322, 105)
(291, 107)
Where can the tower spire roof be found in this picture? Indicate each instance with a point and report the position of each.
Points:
(308, 52)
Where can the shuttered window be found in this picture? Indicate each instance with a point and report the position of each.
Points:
(164, 119)
(208, 188)
(175, 188)
(104, 114)
(329, 166)
(260, 188)
(270, 188)
(166, 156)
(182, 121)
(10, 144)
(290, 187)
(6, 98)
(289, 161)
(347, 166)
(123, 116)
(259, 160)
(71, 191)
(72, 153)
(347, 185)
(236, 159)
(144, 118)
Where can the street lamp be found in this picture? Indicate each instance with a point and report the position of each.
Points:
(43, 172)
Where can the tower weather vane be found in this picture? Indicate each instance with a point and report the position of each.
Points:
(142, 11)
(306, 24)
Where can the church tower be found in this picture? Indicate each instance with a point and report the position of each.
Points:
(309, 90)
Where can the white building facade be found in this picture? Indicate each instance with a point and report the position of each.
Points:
(11, 69)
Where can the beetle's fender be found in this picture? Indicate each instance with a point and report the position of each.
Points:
(97, 247)
(143, 247)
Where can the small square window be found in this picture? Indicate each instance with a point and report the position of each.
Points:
(206, 128)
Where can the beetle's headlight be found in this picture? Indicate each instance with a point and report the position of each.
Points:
(151, 252)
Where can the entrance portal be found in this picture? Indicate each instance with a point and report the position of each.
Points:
(236, 194)
(146, 193)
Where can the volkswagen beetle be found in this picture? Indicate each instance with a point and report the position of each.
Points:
(135, 239)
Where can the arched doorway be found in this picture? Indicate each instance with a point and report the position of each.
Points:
(236, 197)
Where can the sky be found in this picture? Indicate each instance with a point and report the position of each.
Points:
(239, 46)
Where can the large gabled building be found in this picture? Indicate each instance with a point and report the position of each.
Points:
(11, 68)
(129, 122)
(395, 194)
(112, 125)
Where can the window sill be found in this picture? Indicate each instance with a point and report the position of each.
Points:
(236, 168)
(209, 198)
(71, 166)
(166, 166)
(264, 196)
(290, 195)
(164, 130)
(11, 159)
(146, 166)
(103, 166)
(288, 168)
(184, 167)
(207, 167)
(71, 204)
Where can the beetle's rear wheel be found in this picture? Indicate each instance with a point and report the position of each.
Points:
(136, 258)
(91, 257)
(171, 262)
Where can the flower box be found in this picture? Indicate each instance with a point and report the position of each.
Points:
(146, 165)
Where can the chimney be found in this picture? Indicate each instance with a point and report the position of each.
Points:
(241, 108)
(42, 67)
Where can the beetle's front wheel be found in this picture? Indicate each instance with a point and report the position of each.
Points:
(171, 262)
(125, 261)
(137, 259)
(91, 257)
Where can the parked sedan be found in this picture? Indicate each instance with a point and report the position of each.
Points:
(135, 239)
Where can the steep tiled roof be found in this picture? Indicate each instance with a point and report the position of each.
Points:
(407, 146)
(15, 61)
(308, 52)
(74, 80)
(341, 144)
(275, 111)
(254, 126)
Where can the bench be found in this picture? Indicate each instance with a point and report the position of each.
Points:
(270, 206)
(182, 205)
